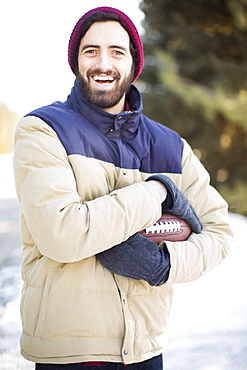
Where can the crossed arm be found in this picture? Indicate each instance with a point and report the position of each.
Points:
(140, 258)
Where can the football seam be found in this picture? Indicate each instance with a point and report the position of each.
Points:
(164, 227)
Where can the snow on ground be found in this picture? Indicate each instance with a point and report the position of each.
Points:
(208, 325)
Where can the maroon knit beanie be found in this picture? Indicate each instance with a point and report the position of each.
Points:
(75, 38)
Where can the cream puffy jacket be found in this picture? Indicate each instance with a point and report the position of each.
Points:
(79, 175)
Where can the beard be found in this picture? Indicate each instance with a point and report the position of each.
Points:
(104, 99)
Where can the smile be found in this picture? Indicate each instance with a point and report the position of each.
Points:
(105, 80)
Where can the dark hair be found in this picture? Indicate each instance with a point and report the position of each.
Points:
(105, 17)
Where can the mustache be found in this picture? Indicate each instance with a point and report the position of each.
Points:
(108, 72)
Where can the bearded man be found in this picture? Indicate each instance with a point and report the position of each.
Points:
(90, 174)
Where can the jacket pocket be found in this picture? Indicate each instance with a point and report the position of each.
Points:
(43, 304)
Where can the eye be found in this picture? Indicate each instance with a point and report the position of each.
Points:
(90, 51)
(118, 52)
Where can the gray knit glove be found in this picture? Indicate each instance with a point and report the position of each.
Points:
(177, 204)
(138, 258)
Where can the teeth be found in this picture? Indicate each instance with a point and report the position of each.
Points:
(101, 78)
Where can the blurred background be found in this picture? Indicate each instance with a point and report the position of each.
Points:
(195, 82)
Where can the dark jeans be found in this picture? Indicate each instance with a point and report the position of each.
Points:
(155, 363)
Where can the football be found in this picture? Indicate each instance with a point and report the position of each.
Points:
(168, 228)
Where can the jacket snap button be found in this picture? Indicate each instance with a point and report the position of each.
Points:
(120, 117)
(124, 172)
(126, 352)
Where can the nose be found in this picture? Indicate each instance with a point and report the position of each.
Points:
(103, 61)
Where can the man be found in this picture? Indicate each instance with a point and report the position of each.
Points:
(90, 174)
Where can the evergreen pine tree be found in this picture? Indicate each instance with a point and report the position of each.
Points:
(195, 81)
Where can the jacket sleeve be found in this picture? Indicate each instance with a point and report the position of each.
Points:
(201, 252)
(62, 225)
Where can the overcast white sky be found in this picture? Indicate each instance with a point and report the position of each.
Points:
(34, 36)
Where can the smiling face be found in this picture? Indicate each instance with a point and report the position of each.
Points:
(105, 65)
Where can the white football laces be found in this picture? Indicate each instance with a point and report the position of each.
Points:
(164, 227)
